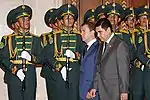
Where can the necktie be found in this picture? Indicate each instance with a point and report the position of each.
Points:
(85, 50)
(104, 47)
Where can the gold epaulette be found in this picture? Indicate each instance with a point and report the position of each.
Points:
(123, 31)
(44, 40)
(57, 32)
(1, 45)
(10, 35)
(136, 30)
(77, 32)
(5, 37)
(140, 30)
(147, 31)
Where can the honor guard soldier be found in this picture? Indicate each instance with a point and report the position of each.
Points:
(143, 55)
(20, 50)
(47, 56)
(130, 33)
(100, 12)
(113, 14)
(67, 50)
(89, 16)
(130, 36)
(51, 21)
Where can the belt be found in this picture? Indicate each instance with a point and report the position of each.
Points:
(17, 62)
(64, 59)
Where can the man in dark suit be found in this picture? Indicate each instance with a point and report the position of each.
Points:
(88, 60)
(112, 75)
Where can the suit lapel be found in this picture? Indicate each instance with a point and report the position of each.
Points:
(90, 49)
(99, 52)
(109, 47)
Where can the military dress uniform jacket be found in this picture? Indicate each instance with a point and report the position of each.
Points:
(143, 50)
(12, 52)
(54, 54)
(132, 39)
(144, 57)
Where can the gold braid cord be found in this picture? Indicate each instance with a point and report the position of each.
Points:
(11, 52)
(147, 50)
(56, 52)
(133, 38)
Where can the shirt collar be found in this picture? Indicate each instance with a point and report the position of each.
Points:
(90, 43)
(110, 38)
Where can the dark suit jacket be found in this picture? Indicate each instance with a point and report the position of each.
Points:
(112, 75)
(87, 70)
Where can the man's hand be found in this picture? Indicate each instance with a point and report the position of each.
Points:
(69, 54)
(26, 55)
(63, 73)
(124, 96)
(20, 74)
(88, 95)
(93, 93)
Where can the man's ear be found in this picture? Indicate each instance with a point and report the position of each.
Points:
(16, 25)
(92, 32)
(61, 21)
(119, 19)
(108, 29)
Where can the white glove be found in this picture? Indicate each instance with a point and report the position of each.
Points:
(26, 55)
(64, 73)
(142, 68)
(20, 74)
(69, 54)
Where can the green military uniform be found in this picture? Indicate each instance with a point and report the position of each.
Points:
(47, 56)
(62, 40)
(89, 16)
(115, 9)
(13, 61)
(137, 76)
(100, 12)
(143, 56)
(131, 38)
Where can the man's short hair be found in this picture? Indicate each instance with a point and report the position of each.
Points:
(104, 23)
(91, 25)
